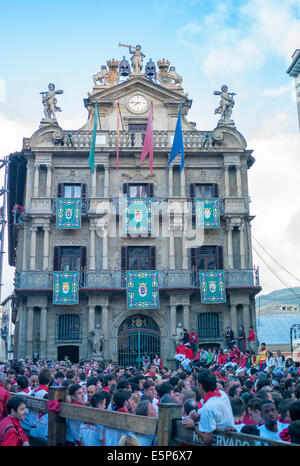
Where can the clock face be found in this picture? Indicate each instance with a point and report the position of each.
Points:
(138, 103)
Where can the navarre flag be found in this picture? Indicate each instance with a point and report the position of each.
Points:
(148, 141)
(92, 151)
(178, 142)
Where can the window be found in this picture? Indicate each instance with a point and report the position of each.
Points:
(69, 258)
(138, 258)
(204, 190)
(138, 189)
(137, 126)
(208, 325)
(68, 327)
(71, 190)
(207, 258)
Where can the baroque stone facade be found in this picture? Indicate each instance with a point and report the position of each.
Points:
(54, 157)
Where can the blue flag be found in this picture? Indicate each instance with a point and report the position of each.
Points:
(178, 142)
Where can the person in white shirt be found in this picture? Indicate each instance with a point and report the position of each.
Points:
(216, 411)
(271, 427)
(93, 435)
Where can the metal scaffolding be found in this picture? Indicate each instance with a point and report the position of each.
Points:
(3, 191)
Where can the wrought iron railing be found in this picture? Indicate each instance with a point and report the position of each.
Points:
(116, 279)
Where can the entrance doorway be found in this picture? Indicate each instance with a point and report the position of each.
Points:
(72, 352)
(138, 336)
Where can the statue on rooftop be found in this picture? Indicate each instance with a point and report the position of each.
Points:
(49, 101)
(226, 103)
(137, 58)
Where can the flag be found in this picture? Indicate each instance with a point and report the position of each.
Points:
(178, 142)
(148, 141)
(92, 151)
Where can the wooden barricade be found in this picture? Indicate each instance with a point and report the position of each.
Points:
(168, 427)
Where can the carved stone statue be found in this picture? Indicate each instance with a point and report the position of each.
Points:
(137, 58)
(101, 76)
(49, 101)
(226, 103)
(96, 337)
(178, 334)
(176, 79)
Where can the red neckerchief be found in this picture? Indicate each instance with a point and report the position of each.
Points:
(76, 403)
(283, 421)
(211, 394)
(199, 404)
(41, 387)
(238, 422)
(26, 390)
(120, 410)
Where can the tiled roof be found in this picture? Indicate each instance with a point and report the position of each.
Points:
(275, 330)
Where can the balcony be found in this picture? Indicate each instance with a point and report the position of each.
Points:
(116, 279)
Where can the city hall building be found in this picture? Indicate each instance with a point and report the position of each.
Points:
(120, 248)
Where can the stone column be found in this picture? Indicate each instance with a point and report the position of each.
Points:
(29, 187)
(29, 335)
(106, 181)
(43, 333)
(105, 331)
(173, 325)
(91, 318)
(226, 181)
(105, 247)
(92, 264)
(238, 181)
(182, 183)
(94, 182)
(250, 258)
(184, 253)
(233, 320)
(246, 321)
(171, 248)
(229, 247)
(36, 180)
(32, 248)
(242, 247)
(171, 185)
(49, 180)
(24, 262)
(186, 316)
(46, 248)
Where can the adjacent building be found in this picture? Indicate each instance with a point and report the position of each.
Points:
(50, 180)
(294, 71)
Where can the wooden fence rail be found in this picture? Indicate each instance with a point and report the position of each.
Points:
(167, 427)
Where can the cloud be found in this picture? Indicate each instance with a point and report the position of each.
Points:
(276, 92)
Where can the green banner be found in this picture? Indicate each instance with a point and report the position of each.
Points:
(142, 290)
(65, 287)
(138, 215)
(68, 213)
(207, 213)
(212, 285)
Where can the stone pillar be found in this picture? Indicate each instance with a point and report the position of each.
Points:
(171, 185)
(25, 233)
(182, 183)
(226, 181)
(49, 180)
(106, 350)
(246, 321)
(46, 248)
(229, 247)
(186, 316)
(233, 320)
(250, 258)
(106, 181)
(184, 253)
(242, 247)
(238, 181)
(29, 187)
(43, 333)
(91, 318)
(94, 182)
(92, 264)
(29, 335)
(105, 247)
(32, 248)
(36, 180)
(173, 325)
(171, 248)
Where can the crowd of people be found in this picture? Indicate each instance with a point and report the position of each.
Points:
(256, 393)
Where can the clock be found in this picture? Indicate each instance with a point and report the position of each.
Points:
(138, 103)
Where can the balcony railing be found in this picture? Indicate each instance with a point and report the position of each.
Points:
(116, 279)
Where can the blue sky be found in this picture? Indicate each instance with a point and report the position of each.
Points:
(244, 44)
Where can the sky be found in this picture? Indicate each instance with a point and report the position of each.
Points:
(245, 44)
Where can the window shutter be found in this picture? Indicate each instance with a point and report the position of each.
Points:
(124, 256)
(83, 191)
(215, 190)
(125, 188)
(152, 257)
(219, 253)
(82, 257)
(193, 257)
(150, 190)
(60, 190)
(192, 190)
(56, 258)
